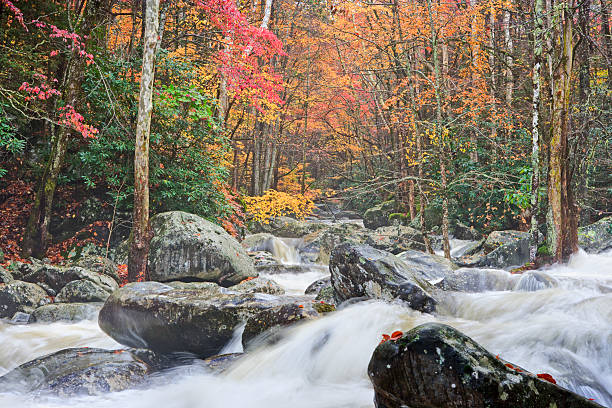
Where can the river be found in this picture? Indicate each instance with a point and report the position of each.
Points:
(565, 331)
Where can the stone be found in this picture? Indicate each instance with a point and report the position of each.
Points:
(435, 365)
(221, 363)
(597, 237)
(5, 276)
(532, 281)
(315, 287)
(258, 242)
(363, 271)
(462, 231)
(395, 239)
(317, 247)
(78, 371)
(501, 249)
(431, 266)
(82, 291)
(478, 280)
(197, 317)
(188, 247)
(69, 312)
(58, 277)
(378, 216)
(99, 264)
(20, 296)
(259, 285)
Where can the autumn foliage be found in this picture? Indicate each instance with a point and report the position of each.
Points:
(275, 204)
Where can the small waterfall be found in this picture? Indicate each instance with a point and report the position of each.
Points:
(285, 250)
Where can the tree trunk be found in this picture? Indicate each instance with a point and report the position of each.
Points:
(141, 231)
(535, 126)
(562, 239)
(509, 59)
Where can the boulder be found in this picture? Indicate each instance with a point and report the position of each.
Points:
(258, 242)
(431, 266)
(82, 291)
(363, 271)
(70, 312)
(188, 247)
(315, 287)
(317, 247)
(396, 239)
(5, 276)
(434, 365)
(198, 317)
(501, 249)
(99, 264)
(268, 323)
(259, 285)
(462, 231)
(597, 237)
(478, 280)
(287, 227)
(83, 370)
(378, 216)
(20, 296)
(57, 277)
(327, 295)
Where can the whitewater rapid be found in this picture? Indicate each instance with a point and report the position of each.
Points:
(565, 331)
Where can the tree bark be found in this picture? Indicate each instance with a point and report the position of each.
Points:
(141, 230)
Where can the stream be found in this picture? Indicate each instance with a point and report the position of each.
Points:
(565, 331)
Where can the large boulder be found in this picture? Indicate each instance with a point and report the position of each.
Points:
(57, 277)
(478, 280)
(363, 271)
(462, 231)
(501, 249)
(69, 312)
(20, 296)
(396, 239)
(84, 370)
(198, 317)
(431, 266)
(82, 291)
(288, 227)
(99, 264)
(5, 276)
(188, 247)
(378, 216)
(596, 237)
(434, 365)
(317, 247)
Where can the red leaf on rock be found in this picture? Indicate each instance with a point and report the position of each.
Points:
(547, 377)
(396, 335)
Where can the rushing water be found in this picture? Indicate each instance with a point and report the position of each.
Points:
(565, 330)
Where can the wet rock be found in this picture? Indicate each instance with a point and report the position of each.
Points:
(99, 264)
(220, 363)
(5, 276)
(363, 271)
(77, 371)
(430, 266)
(315, 287)
(317, 247)
(395, 239)
(20, 296)
(535, 280)
(279, 267)
(287, 227)
(478, 280)
(197, 317)
(57, 277)
(82, 291)
(259, 285)
(434, 365)
(462, 231)
(269, 323)
(188, 247)
(258, 242)
(263, 259)
(501, 249)
(597, 237)
(327, 295)
(378, 216)
(70, 312)
(20, 318)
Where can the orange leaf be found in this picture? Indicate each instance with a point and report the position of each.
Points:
(547, 377)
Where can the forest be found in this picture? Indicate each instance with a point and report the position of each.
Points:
(230, 188)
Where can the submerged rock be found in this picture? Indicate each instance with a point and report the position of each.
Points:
(220, 363)
(434, 365)
(198, 317)
(79, 371)
(20, 296)
(188, 247)
(72, 312)
(535, 280)
(362, 271)
(597, 237)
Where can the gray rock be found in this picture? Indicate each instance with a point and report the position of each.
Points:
(77, 371)
(70, 312)
(478, 280)
(327, 295)
(188, 247)
(395, 239)
(318, 246)
(462, 231)
(430, 266)
(5, 276)
(20, 318)
(57, 277)
(502, 249)
(315, 287)
(378, 216)
(259, 285)
(363, 271)
(82, 291)
(197, 317)
(258, 242)
(99, 264)
(20, 296)
(434, 365)
(532, 281)
(263, 258)
(597, 237)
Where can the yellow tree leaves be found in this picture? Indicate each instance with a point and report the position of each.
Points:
(275, 204)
